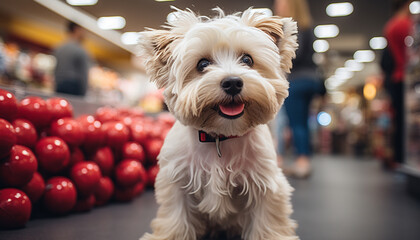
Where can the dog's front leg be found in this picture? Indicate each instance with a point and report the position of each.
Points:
(175, 218)
(269, 219)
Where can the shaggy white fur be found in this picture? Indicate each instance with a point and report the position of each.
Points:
(243, 192)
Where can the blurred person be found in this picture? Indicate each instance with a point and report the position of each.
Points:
(73, 63)
(394, 60)
(304, 83)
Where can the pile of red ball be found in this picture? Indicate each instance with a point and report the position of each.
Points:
(62, 164)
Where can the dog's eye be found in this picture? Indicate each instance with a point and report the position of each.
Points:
(203, 63)
(247, 59)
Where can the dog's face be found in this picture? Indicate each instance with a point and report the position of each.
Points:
(222, 75)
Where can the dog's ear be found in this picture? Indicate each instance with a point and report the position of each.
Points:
(155, 48)
(281, 30)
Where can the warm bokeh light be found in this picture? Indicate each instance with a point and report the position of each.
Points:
(114, 22)
(82, 2)
(415, 7)
(130, 38)
(364, 56)
(378, 43)
(369, 91)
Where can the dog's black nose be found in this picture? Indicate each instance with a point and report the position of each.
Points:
(232, 85)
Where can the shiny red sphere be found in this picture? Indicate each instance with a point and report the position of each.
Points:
(105, 160)
(15, 208)
(18, 169)
(104, 191)
(116, 134)
(138, 132)
(60, 195)
(106, 114)
(70, 130)
(152, 173)
(59, 108)
(133, 150)
(86, 176)
(76, 156)
(36, 110)
(7, 137)
(93, 132)
(125, 194)
(152, 150)
(35, 188)
(85, 204)
(25, 132)
(8, 105)
(129, 172)
(53, 154)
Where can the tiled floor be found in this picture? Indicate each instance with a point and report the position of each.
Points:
(345, 199)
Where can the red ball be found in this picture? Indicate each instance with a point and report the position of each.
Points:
(139, 188)
(106, 114)
(104, 191)
(35, 188)
(53, 154)
(125, 194)
(152, 173)
(138, 132)
(76, 156)
(69, 130)
(8, 105)
(7, 137)
(85, 204)
(36, 110)
(25, 133)
(15, 208)
(19, 168)
(105, 160)
(59, 108)
(133, 150)
(129, 172)
(86, 176)
(94, 135)
(60, 195)
(153, 149)
(116, 134)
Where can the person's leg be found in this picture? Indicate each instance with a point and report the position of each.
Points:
(399, 122)
(297, 108)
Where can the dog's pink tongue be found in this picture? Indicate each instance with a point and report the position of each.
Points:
(232, 109)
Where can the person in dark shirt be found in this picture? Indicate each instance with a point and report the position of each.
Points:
(73, 62)
(304, 83)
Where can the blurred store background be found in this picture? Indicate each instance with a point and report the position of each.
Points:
(354, 120)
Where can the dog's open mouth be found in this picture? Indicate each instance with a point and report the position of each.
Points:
(231, 110)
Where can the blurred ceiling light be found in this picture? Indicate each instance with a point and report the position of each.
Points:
(338, 97)
(378, 43)
(415, 7)
(114, 22)
(265, 11)
(339, 9)
(324, 119)
(364, 56)
(318, 58)
(326, 31)
(321, 46)
(164, 0)
(130, 38)
(353, 65)
(82, 2)
(343, 73)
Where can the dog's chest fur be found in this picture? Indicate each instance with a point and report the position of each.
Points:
(221, 188)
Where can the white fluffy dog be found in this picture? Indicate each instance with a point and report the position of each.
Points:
(224, 79)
